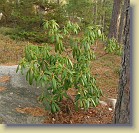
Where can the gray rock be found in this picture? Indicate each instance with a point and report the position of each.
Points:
(103, 103)
(17, 79)
(112, 101)
(18, 94)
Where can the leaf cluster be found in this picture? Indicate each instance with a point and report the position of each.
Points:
(113, 47)
(65, 68)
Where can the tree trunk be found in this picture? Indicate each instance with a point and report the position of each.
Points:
(122, 110)
(58, 1)
(114, 25)
(122, 24)
(95, 13)
(103, 16)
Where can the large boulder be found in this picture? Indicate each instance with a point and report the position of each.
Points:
(16, 79)
(15, 92)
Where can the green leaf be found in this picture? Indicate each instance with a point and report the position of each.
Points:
(74, 53)
(76, 106)
(45, 78)
(65, 95)
(27, 75)
(65, 31)
(71, 64)
(91, 90)
(82, 81)
(54, 83)
(41, 98)
(56, 47)
(93, 102)
(48, 72)
(99, 33)
(60, 47)
(87, 104)
(17, 68)
(57, 107)
(30, 77)
(77, 97)
(47, 105)
(66, 84)
(53, 108)
(81, 104)
(97, 101)
(87, 47)
(22, 68)
(57, 38)
(75, 31)
(52, 39)
(45, 25)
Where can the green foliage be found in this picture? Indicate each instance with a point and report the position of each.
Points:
(38, 37)
(90, 12)
(113, 47)
(80, 9)
(56, 12)
(67, 67)
(28, 24)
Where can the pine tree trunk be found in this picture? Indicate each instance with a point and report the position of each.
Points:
(122, 24)
(114, 25)
(103, 16)
(122, 110)
(95, 13)
(58, 1)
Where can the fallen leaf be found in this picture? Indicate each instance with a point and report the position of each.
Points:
(4, 79)
(36, 111)
(2, 88)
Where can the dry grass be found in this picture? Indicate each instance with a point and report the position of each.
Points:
(106, 69)
(10, 51)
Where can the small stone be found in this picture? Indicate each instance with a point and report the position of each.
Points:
(11, 93)
(103, 103)
(113, 102)
(53, 119)
(110, 109)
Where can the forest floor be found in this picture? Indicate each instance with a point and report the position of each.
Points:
(105, 68)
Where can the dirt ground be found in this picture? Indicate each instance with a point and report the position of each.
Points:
(106, 70)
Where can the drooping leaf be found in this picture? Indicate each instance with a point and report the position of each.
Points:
(17, 68)
(77, 97)
(30, 77)
(54, 83)
(99, 32)
(53, 108)
(57, 107)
